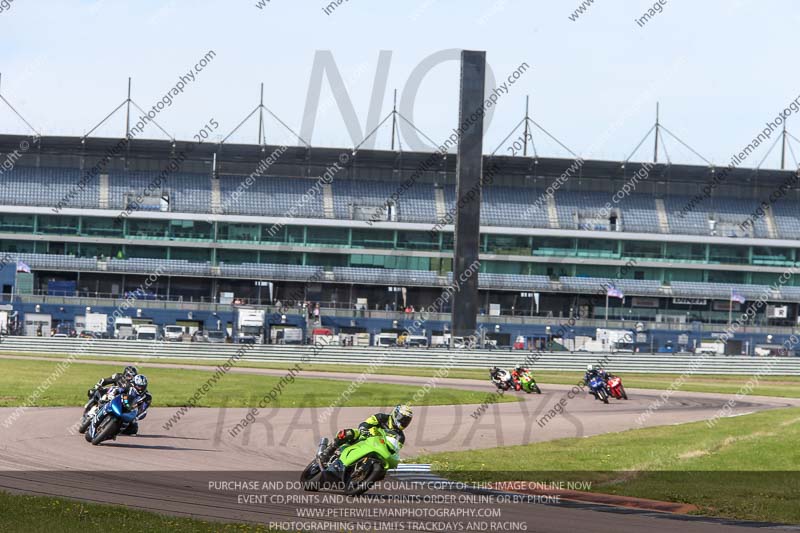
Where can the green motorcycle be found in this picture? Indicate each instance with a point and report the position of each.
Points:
(528, 384)
(354, 468)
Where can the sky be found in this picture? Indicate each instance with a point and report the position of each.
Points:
(719, 69)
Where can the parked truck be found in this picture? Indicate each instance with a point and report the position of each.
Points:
(293, 336)
(286, 335)
(92, 325)
(710, 347)
(608, 341)
(123, 328)
(250, 326)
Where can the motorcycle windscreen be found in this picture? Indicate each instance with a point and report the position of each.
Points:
(116, 408)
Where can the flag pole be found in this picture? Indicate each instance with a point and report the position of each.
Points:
(730, 308)
(606, 325)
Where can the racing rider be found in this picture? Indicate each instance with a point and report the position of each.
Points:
(397, 421)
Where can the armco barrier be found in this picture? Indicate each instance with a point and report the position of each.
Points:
(412, 357)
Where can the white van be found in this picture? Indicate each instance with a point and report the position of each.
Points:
(386, 339)
(708, 349)
(416, 341)
(173, 333)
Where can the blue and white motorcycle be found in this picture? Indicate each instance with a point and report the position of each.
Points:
(599, 389)
(111, 418)
(100, 397)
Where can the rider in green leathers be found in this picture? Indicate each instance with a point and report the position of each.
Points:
(397, 421)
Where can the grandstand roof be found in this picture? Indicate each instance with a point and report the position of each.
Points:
(242, 158)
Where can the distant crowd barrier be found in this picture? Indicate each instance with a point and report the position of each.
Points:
(407, 357)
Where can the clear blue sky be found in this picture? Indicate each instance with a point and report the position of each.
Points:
(720, 69)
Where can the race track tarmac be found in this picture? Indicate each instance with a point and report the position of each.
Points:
(176, 470)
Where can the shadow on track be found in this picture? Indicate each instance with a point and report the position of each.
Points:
(145, 447)
(140, 436)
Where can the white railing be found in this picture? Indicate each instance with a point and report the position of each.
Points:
(407, 357)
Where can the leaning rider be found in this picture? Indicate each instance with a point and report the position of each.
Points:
(397, 421)
(595, 371)
(141, 399)
(500, 377)
(518, 371)
(120, 379)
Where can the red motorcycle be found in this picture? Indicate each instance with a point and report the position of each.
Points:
(515, 381)
(616, 389)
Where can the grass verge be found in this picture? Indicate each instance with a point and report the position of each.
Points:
(745, 467)
(778, 386)
(19, 378)
(39, 514)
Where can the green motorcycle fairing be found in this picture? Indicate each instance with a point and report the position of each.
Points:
(374, 445)
(527, 382)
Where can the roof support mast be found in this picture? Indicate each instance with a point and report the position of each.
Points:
(127, 104)
(261, 118)
(128, 110)
(394, 117)
(527, 131)
(262, 138)
(783, 147)
(655, 148)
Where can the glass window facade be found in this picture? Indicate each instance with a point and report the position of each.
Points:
(102, 227)
(327, 236)
(386, 248)
(507, 244)
(57, 225)
(15, 223)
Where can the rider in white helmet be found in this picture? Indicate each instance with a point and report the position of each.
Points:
(595, 371)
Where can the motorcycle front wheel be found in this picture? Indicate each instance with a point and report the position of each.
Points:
(84, 424)
(108, 428)
(307, 477)
(365, 473)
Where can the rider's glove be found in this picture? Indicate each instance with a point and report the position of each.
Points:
(373, 431)
(91, 392)
(365, 431)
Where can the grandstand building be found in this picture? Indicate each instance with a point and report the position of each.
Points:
(189, 223)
